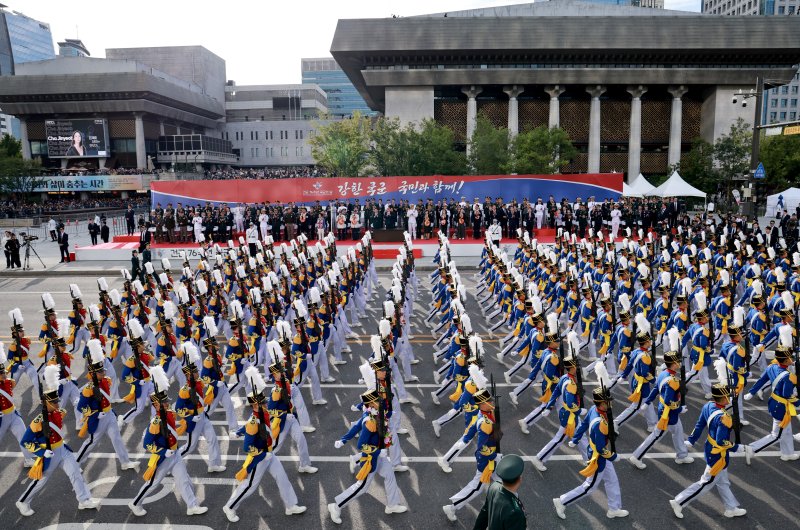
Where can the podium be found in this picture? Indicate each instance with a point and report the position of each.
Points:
(387, 236)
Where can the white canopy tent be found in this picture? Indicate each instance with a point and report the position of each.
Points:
(675, 186)
(789, 199)
(639, 187)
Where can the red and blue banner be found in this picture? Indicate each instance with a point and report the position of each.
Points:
(308, 190)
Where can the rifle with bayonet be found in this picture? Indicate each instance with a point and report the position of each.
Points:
(497, 431)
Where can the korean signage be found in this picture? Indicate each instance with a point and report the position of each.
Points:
(92, 183)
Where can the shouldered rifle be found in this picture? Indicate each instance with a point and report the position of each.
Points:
(796, 351)
(612, 431)
(262, 425)
(579, 379)
(45, 417)
(164, 430)
(192, 382)
(737, 423)
(497, 431)
(682, 387)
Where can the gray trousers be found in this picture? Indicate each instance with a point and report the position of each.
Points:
(65, 459)
(250, 485)
(706, 482)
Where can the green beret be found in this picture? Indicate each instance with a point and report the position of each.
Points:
(510, 468)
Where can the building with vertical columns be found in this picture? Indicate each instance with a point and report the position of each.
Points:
(632, 89)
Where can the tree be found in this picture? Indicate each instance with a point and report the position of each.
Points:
(342, 147)
(488, 153)
(19, 176)
(435, 153)
(10, 147)
(697, 167)
(732, 155)
(781, 158)
(541, 151)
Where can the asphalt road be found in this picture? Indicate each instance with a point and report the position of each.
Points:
(768, 489)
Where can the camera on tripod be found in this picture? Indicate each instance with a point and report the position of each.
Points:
(26, 238)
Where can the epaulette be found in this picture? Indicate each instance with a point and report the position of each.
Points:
(726, 420)
(251, 427)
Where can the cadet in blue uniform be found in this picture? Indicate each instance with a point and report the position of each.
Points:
(488, 436)
(161, 441)
(718, 444)
(668, 391)
(781, 402)
(45, 439)
(373, 438)
(258, 445)
(600, 455)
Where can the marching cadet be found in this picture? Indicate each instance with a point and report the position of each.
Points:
(668, 391)
(781, 401)
(236, 351)
(136, 372)
(536, 344)
(550, 367)
(168, 353)
(718, 444)
(641, 370)
(600, 454)
(374, 438)
(95, 407)
(19, 350)
(697, 338)
(661, 308)
(533, 314)
(45, 439)
(9, 417)
(161, 441)
(61, 358)
(212, 375)
(258, 444)
(93, 326)
(488, 437)
(78, 335)
(466, 403)
(736, 357)
(302, 350)
(569, 392)
(49, 331)
(282, 418)
(190, 407)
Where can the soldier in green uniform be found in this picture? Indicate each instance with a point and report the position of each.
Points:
(502, 509)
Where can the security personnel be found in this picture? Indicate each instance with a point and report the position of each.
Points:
(161, 441)
(45, 439)
(718, 444)
(502, 508)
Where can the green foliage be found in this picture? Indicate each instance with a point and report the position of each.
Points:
(541, 151)
(17, 175)
(10, 147)
(489, 153)
(342, 147)
(781, 158)
(732, 152)
(697, 167)
(435, 151)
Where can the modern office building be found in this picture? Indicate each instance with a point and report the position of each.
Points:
(632, 90)
(580, 8)
(343, 98)
(72, 48)
(22, 39)
(781, 103)
(270, 125)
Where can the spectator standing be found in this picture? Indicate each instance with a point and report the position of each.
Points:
(94, 230)
(52, 226)
(63, 244)
(12, 246)
(6, 239)
(130, 219)
(104, 231)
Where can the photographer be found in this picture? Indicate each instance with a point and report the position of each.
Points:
(12, 248)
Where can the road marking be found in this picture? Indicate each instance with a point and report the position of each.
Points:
(409, 459)
(123, 526)
(167, 485)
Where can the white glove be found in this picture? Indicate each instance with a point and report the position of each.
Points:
(169, 453)
(571, 443)
(142, 382)
(747, 397)
(338, 444)
(101, 415)
(233, 435)
(64, 381)
(684, 409)
(220, 384)
(461, 444)
(687, 443)
(48, 453)
(354, 408)
(196, 418)
(545, 413)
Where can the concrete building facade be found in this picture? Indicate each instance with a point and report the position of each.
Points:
(270, 125)
(632, 90)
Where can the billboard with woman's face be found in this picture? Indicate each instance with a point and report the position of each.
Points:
(83, 138)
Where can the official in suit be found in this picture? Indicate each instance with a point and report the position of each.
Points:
(63, 244)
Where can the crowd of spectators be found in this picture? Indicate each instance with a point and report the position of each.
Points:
(13, 209)
(266, 173)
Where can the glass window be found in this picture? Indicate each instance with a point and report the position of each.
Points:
(773, 116)
(773, 103)
(781, 10)
(793, 102)
(783, 116)
(791, 10)
(784, 102)
(792, 116)
(794, 89)
(257, 155)
(784, 89)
